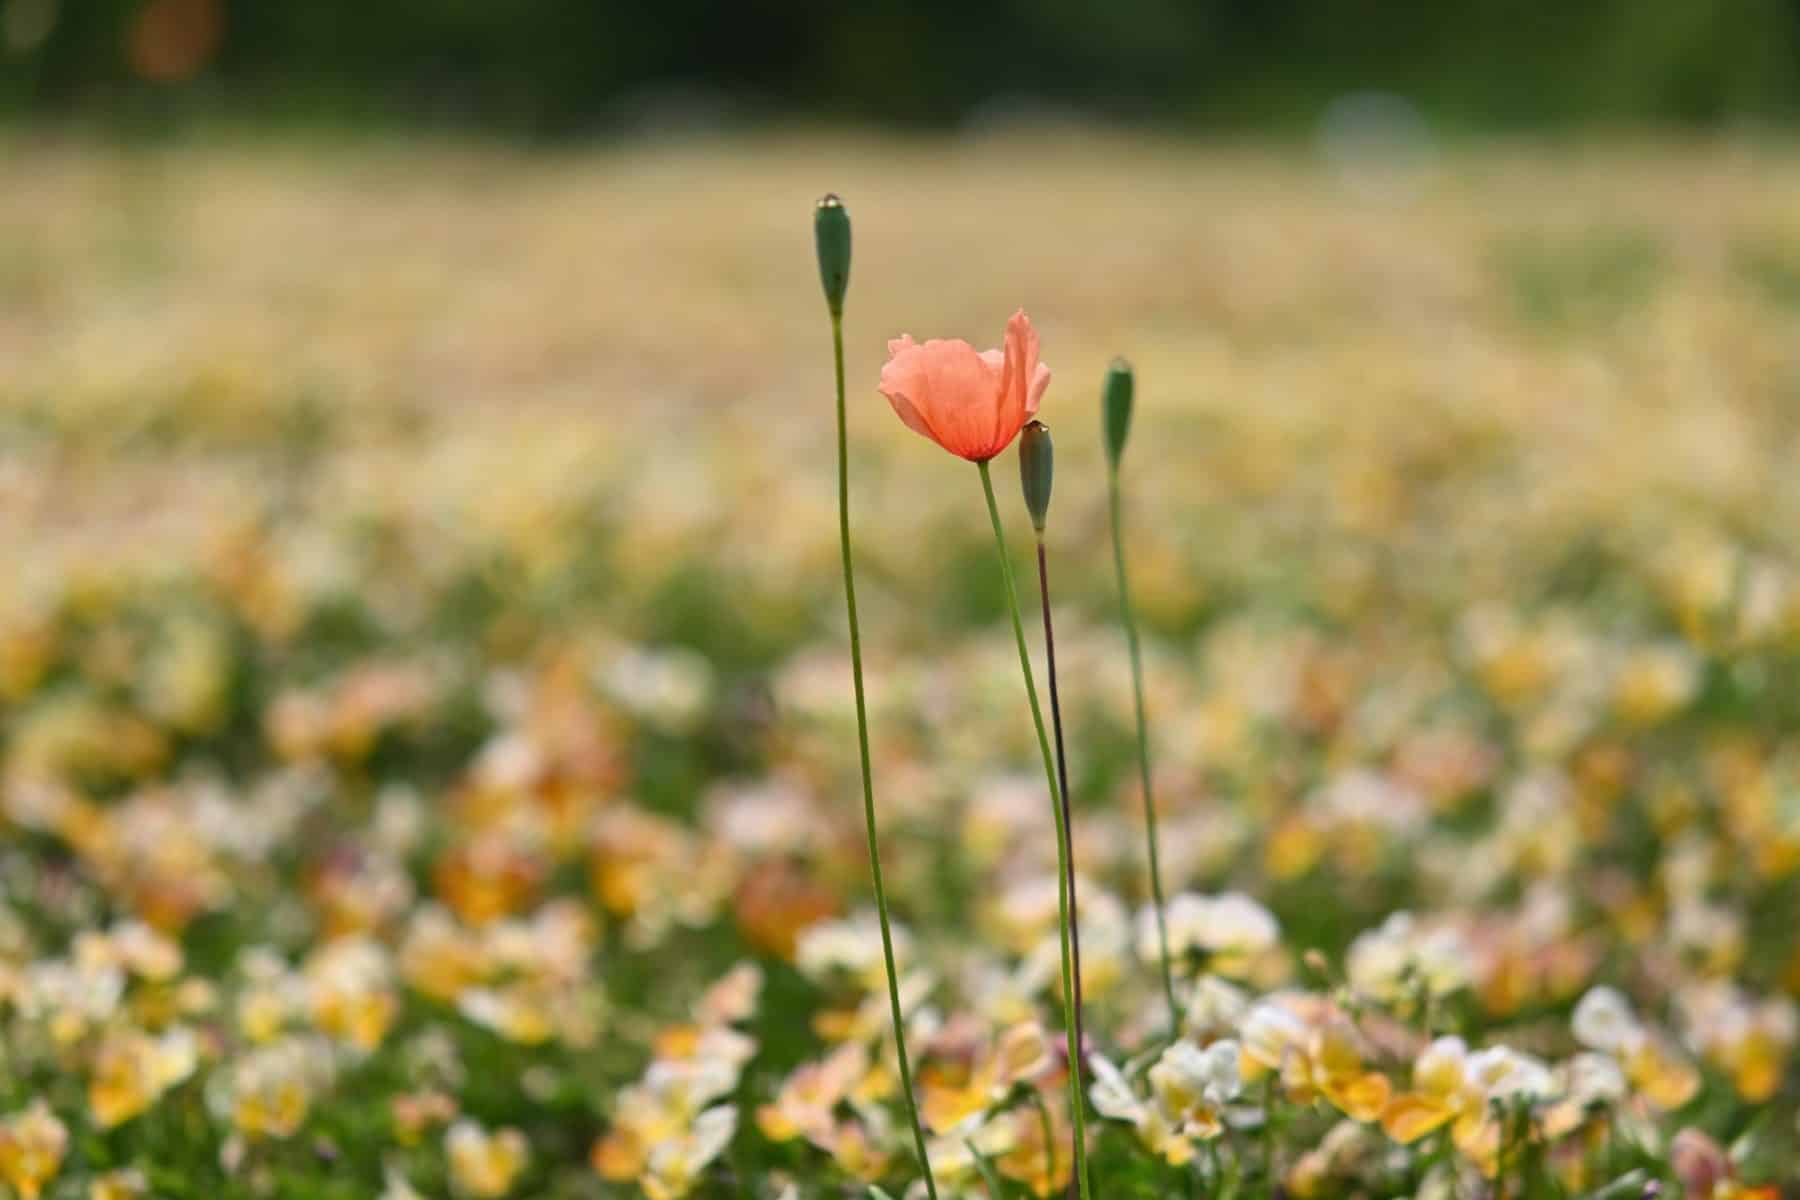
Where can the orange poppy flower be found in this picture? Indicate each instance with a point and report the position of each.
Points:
(971, 403)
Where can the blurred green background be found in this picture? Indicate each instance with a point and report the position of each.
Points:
(563, 67)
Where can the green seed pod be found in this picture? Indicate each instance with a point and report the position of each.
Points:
(1037, 464)
(1115, 404)
(831, 232)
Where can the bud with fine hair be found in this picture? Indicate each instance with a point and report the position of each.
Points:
(831, 233)
(1037, 464)
(1115, 404)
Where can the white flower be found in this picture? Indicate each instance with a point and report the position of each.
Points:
(144, 951)
(670, 687)
(395, 1185)
(687, 1087)
(1365, 798)
(1229, 927)
(1187, 1076)
(852, 946)
(1502, 1073)
(1593, 1079)
(1214, 1007)
(1442, 1067)
(1239, 925)
(1271, 1032)
(1708, 932)
(676, 1163)
(1111, 1094)
(1603, 1020)
(712, 1132)
(1392, 962)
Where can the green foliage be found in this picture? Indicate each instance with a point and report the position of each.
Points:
(558, 66)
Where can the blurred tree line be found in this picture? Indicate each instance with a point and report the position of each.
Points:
(561, 66)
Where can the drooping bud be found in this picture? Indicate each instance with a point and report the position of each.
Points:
(1037, 463)
(1115, 405)
(831, 233)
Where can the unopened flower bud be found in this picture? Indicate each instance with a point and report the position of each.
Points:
(831, 232)
(1115, 404)
(1037, 464)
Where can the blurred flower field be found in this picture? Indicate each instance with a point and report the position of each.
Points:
(427, 761)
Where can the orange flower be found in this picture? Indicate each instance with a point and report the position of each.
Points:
(972, 404)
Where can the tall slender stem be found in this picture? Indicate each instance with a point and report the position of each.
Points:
(1062, 778)
(1062, 832)
(868, 783)
(1267, 1133)
(1143, 747)
(1505, 1146)
(1049, 1132)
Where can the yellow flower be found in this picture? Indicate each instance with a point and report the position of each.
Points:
(521, 1011)
(262, 1013)
(954, 1163)
(350, 997)
(1757, 1063)
(487, 877)
(1189, 1088)
(1654, 682)
(805, 1106)
(1659, 1074)
(360, 1019)
(675, 1164)
(1293, 846)
(1749, 1039)
(1014, 1143)
(1316, 1055)
(665, 1105)
(269, 1091)
(1044, 1168)
(127, 1183)
(27, 648)
(484, 1164)
(1455, 1088)
(439, 957)
(1515, 665)
(867, 1019)
(952, 1093)
(273, 1110)
(1333, 1066)
(1192, 1085)
(32, 1145)
(1441, 1095)
(133, 1069)
(413, 1112)
(855, 1153)
(1272, 1033)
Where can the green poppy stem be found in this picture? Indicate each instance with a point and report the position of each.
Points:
(1068, 819)
(1143, 744)
(1062, 779)
(868, 784)
(1062, 834)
